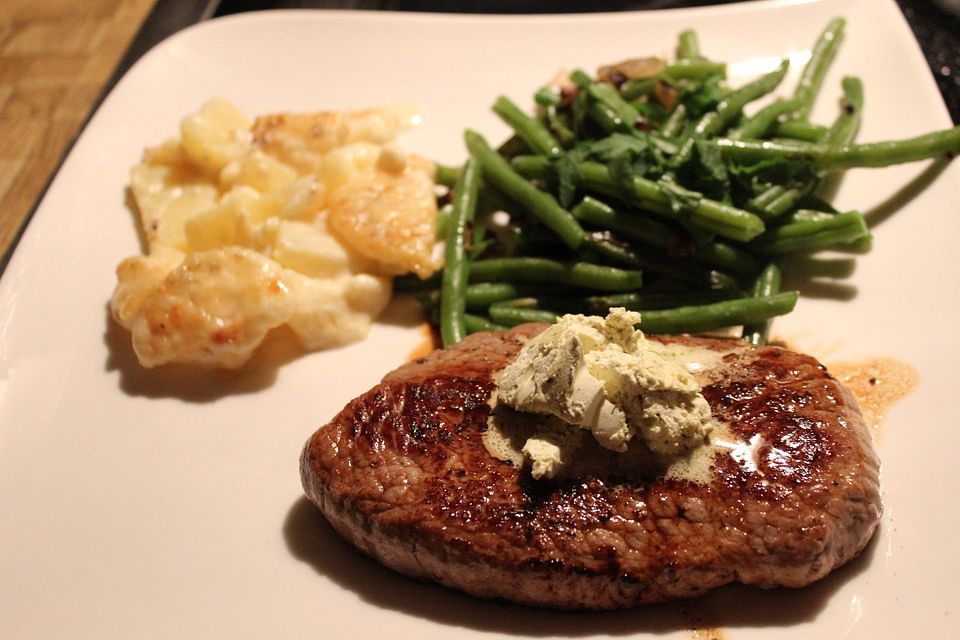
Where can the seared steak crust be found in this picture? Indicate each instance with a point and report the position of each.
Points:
(402, 473)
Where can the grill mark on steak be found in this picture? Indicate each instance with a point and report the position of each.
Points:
(402, 473)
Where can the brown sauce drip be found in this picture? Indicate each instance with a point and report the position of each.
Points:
(877, 384)
(430, 342)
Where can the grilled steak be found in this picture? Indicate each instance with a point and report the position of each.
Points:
(402, 474)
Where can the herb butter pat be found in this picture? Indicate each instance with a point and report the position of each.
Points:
(600, 375)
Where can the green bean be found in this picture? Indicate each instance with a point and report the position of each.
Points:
(844, 128)
(811, 235)
(633, 89)
(824, 156)
(759, 203)
(655, 234)
(547, 97)
(443, 220)
(542, 205)
(558, 127)
(604, 244)
(673, 125)
(580, 78)
(782, 204)
(474, 323)
(694, 69)
(605, 117)
(702, 249)
(531, 131)
(456, 267)
(677, 70)
(733, 104)
(729, 108)
(530, 239)
(688, 45)
(601, 304)
(633, 226)
(650, 260)
(650, 301)
(810, 215)
(578, 274)
(814, 71)
(757, 125)
(706, 214)
(863, 245)
(506, 314)
(482, 294)
(766, 284)
(720, 280)
(799, 130)
(707, 317)
(445, 174)
(706, 122)
(513, 146)
(663, 143)
(624, 116)
(579, 112)
(479, 296)
(721, 255)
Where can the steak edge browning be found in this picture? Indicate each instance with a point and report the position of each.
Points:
(402, 474)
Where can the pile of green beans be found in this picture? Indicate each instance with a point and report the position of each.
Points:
(657, 193)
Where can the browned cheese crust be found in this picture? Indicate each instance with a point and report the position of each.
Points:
(403, 475)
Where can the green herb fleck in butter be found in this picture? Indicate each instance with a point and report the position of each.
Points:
(601, 375)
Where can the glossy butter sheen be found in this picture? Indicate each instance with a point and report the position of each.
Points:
(600, 375)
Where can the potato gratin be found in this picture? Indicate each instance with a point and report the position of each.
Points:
(296, 219)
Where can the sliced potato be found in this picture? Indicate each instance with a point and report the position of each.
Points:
(213, 309)
(309, 249)
(341, 164)
(302, 199)
(218, 227)
(137, 278)
(298, 221)
(167, 195)
(215, 135)
(389, 217)
(380, 126)
(257, 170)
(301, 139)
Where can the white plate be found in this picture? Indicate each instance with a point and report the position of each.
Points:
(134, 506)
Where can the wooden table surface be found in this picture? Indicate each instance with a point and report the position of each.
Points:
(55, 58)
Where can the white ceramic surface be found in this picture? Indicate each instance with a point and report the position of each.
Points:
(139, 505)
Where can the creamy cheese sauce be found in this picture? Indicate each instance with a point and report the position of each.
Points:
(876, 384)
